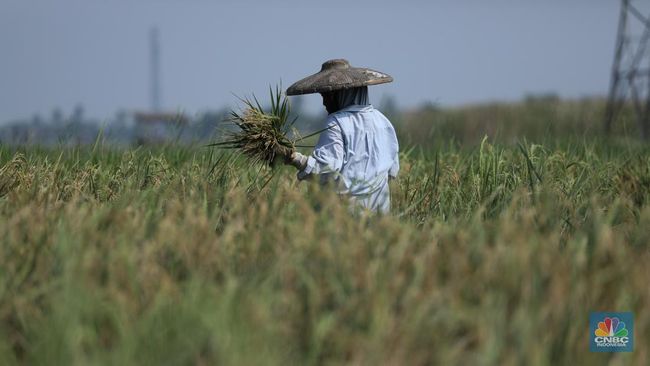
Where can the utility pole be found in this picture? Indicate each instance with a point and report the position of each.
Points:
(155, 69)
(630, 79)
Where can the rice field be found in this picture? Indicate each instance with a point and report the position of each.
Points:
(493, 254)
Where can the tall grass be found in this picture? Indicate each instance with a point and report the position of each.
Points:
(540, 120)
(493, 255)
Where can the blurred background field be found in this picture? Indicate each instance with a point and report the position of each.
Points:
(537, 118)
(496, 250)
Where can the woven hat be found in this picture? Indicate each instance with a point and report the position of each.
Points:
(336, 75)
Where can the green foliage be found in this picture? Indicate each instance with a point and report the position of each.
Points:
(544, 120)
(492, 255)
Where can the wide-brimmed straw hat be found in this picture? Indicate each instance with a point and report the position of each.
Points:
(336, 75)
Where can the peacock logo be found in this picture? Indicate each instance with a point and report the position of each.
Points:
(611, 332)
(611, 327)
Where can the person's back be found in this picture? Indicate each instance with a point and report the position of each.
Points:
(370, 155)
(358, 150)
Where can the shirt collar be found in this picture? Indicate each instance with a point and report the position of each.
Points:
(356, 108)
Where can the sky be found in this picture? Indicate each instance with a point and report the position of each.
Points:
(95, 53)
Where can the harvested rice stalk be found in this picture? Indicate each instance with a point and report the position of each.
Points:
(262, 135)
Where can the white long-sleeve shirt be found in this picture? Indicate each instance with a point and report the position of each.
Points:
(359, 151)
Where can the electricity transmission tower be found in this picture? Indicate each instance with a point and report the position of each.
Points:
(630, 80)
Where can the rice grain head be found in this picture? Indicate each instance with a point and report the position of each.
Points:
(261, 135)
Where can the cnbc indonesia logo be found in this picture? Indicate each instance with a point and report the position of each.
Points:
(611, 332)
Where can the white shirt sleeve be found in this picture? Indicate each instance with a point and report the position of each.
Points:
(328, 154)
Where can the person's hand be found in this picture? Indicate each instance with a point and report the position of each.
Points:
(282, 155)
(298, 160)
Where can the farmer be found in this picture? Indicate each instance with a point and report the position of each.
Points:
(358, 150)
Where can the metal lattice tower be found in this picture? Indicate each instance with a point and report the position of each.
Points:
(630, 80)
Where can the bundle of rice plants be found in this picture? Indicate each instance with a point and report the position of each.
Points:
(261, 135)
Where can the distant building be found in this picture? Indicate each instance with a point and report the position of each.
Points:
(158, 127)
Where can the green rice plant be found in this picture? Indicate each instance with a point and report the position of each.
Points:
(161, 256)
(262, 134)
